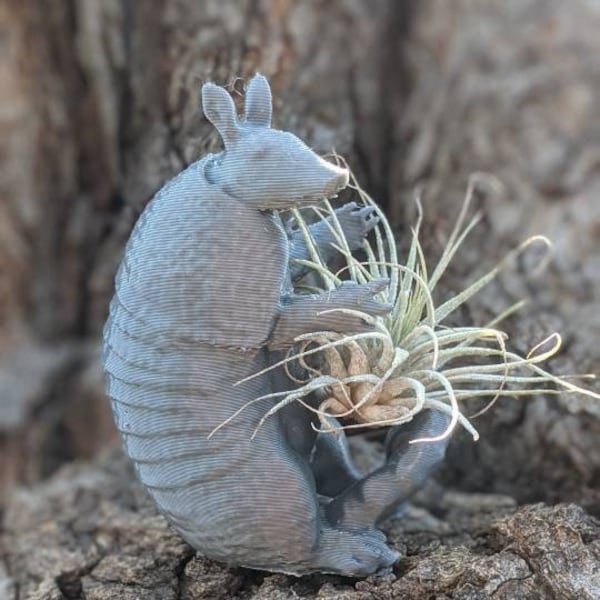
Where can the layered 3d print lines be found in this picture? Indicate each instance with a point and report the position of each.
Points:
(204, 298)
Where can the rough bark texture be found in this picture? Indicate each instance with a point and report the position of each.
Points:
(100, 106)
(89, 532)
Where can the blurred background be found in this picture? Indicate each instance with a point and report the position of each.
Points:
(99, 106)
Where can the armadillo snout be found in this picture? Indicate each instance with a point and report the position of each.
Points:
(338, 182)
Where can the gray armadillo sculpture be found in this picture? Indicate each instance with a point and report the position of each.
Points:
(204, 298)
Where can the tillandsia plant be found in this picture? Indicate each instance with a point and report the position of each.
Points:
(411, 360)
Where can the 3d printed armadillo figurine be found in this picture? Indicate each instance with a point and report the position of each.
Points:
(203, 299)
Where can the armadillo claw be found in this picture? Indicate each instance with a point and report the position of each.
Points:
(355, 296)
(356, 223)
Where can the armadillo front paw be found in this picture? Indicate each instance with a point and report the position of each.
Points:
(356, 223)
(329, 311)
(357, 297)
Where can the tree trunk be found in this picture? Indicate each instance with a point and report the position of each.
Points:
(100, 106)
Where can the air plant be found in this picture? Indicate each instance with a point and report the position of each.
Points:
(411, 360)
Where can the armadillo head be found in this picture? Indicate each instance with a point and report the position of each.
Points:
(263, 167)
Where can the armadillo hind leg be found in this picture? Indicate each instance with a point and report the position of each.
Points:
(354, 553)
(408, 466)
(328, 455)
(331, 463)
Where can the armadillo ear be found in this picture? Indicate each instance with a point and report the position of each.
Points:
(259, 105)
(219, 109)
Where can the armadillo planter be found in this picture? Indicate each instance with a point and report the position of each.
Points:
(410, 361)
(197, 327)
